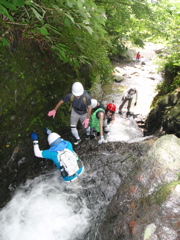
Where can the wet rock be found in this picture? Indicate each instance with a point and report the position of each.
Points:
(165, 151)
(165, 115)
(158, 51)
(152, 78)
(150, 194)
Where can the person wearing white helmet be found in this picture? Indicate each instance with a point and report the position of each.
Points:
(81, 109)
(59, 147)
(96, 104)
(128, 97)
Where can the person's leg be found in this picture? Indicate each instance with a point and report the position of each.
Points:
(129, 105)
(106, 128)
(122, 104)
(73, 123)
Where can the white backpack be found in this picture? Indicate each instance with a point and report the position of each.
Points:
(68, 160)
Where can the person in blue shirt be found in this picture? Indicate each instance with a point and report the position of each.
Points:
(57, 145)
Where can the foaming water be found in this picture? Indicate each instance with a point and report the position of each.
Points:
(124, 130)
(45, 208)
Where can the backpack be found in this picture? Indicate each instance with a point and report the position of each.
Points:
(68, 160)
(72, 98)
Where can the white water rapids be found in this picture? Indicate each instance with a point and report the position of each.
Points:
(46, 208)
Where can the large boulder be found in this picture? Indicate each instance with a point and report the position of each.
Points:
(146, 206)
(165, 115)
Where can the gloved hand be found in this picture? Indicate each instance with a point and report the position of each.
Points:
(86, 123)
(102, 140)
(52, 113)
(135, 103)
(34, 136)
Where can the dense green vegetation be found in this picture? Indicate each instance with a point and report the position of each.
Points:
(169, 59)
(87, 32)
(46, 45)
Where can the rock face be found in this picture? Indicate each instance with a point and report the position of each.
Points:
(146, 206)
(166, 114)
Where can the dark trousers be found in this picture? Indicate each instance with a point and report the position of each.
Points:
(123, 102)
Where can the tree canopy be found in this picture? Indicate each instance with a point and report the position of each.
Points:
(86, 32)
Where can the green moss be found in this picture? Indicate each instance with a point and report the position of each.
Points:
(32, 82)
(162, 194)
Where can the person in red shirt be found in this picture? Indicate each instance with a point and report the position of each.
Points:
(138, 56)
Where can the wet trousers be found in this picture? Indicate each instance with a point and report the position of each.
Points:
(123, 102)
(74, 121)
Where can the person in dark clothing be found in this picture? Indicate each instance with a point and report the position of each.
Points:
(81, 110)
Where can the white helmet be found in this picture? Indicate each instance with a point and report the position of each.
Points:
(52, 137)
(133, 88)
(77, 89)
(94, 103)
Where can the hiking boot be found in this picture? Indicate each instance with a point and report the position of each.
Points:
(87, 137)
(77, 141)
(92, 136)
(128, 113)
(120, 112)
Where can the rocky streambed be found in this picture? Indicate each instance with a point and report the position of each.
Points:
(130, 188)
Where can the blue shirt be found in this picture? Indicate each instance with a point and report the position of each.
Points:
(53, 155)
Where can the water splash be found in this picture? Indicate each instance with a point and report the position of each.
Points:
(45, 208)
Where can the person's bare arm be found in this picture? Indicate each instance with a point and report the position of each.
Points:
(101, 121)
(112, 119)
(53, 112)
(89, 111)
(58, 104)
(136, 96)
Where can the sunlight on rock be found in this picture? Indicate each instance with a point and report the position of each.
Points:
(150, 229)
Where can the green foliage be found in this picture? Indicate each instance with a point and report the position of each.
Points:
(50, 19)
(166, 24)
(138, 42)
(125, 19)
(31, 84)
(161, 194)
(165, 88)
(84, 32)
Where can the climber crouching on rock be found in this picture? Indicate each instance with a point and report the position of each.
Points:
(101, 121)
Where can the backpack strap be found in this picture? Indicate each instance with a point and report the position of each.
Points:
(72, 98)
(84, 100)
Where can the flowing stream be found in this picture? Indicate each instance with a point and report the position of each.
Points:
(46, 208)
